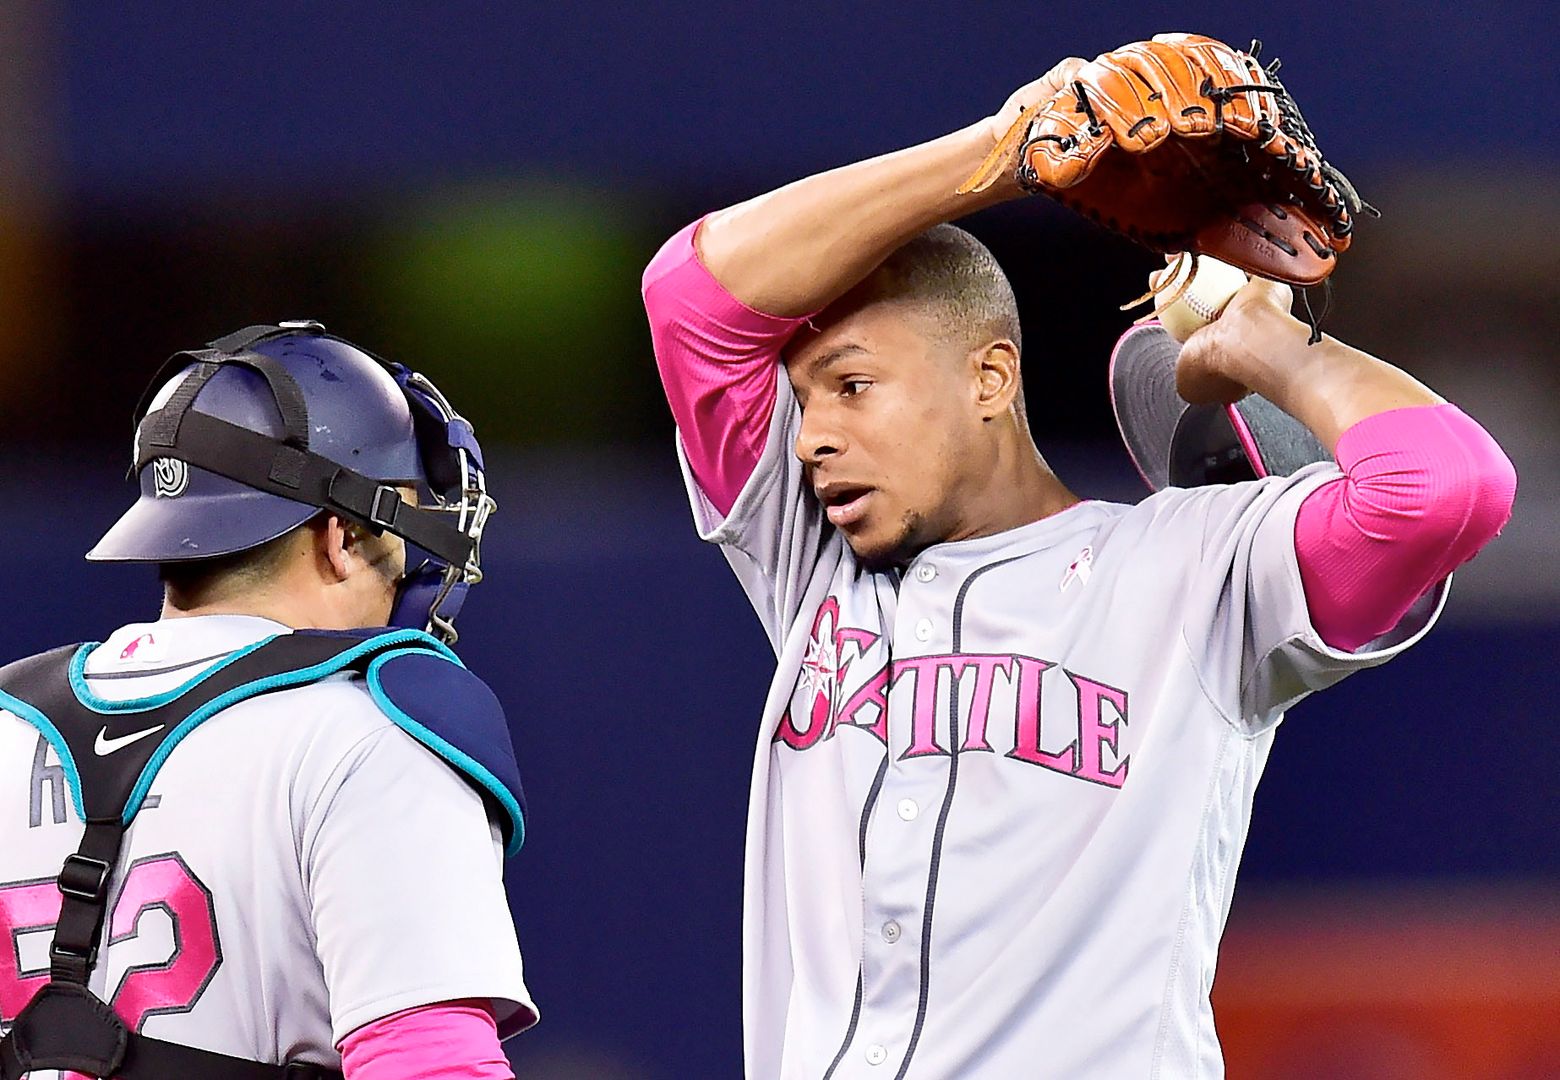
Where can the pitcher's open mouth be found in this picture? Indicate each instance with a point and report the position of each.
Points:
(844, 504)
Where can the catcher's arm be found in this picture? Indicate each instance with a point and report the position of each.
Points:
(1257, 344)
(796, 249)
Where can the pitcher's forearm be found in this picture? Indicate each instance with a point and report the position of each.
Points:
(1329, 387)
(794, 250)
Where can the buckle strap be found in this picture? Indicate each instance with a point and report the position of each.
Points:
(83, 885)
(163, 429)
(70, 1028)
(85, 878)
(259, 461)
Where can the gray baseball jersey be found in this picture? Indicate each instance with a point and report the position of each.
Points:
(301, 867)
(1000, 795)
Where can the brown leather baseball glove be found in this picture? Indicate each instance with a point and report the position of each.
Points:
(1185, 144)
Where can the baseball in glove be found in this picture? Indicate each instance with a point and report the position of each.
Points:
(1187, 145)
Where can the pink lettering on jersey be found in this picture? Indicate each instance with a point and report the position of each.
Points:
(986, 668)
(825, 665)
(1094, 733)
(819, 683)
(923, 712)
(827, 696)
(25, 907)
(1026, 726)
(873, 692)
(174, 984)
(861, 640)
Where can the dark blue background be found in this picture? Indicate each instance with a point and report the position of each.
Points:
(170, 97)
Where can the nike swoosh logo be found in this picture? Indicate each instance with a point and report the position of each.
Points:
(104, 746)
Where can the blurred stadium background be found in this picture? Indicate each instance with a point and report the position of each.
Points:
(474, 188)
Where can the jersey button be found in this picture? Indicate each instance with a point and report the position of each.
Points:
(923, 629)
(908, 809)
(925, 572)
(891, 931)
(876, 1054)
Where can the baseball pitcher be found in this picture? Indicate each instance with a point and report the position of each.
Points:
(1006, 765)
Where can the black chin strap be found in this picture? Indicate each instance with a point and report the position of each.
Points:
(285, 466)
(259, 461)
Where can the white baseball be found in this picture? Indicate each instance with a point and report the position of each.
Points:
(1189, 305)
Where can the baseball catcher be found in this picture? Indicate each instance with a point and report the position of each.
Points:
(260, 837)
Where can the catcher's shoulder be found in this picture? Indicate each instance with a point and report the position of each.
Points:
(428, 686)
(436, 700)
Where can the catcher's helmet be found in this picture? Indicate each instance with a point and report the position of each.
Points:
(1174, 444)
(240, 442)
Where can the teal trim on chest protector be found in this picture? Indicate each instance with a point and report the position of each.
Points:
(51, 733)
(84, 694)
(453, 755)
(419, 641)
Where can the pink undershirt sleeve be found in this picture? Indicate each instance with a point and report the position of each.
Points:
(1423, 490)
(717, 359)
(454, 1040)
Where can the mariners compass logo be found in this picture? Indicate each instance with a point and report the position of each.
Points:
(170, 477)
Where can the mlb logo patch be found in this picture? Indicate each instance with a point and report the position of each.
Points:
(145, 649)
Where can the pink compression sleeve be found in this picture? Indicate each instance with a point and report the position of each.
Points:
(454, 1040)
(717, 358)
(1423, 490)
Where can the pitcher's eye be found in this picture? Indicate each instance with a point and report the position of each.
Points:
(852, 387)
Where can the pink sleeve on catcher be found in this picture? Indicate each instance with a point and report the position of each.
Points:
(717, 358)
(454, 1040)
(1423, 490)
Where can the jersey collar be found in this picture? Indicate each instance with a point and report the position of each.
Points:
(1055, 529)
(169, 642)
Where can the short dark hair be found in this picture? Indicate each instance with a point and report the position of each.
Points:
(958, 279)
(201, 580)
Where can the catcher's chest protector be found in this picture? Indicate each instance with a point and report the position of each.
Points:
(66, 1026)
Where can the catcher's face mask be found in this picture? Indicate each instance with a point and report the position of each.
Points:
(433, 589)
(240, 442)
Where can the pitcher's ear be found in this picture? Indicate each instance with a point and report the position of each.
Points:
(996, 370)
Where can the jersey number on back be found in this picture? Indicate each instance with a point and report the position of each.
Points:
(158, 882)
